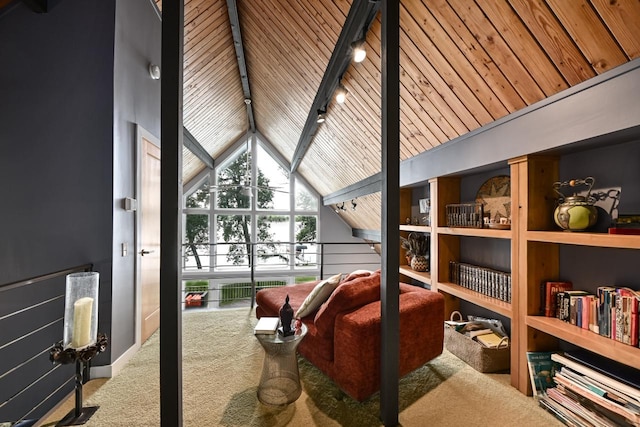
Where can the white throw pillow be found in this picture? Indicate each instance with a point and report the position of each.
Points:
(318, 295)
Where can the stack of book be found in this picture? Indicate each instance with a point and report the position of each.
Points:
(626, 224)
(612, 312)
(589, 390)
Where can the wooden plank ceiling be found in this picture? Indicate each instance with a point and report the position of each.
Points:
(464, 64)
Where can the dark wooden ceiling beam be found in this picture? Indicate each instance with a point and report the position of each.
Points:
(232, 7)
(370, 185)
(196, 148)
(358, 21)
(373, 235)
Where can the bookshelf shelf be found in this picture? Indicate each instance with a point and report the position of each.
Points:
(418, 228)
(417, 275)
(493, 304)
(584, 338)
(475, 232)
(585, 239)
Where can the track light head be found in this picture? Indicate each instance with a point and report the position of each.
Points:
(353, 204)
(359, 53)
(341, 94)
(322, 116)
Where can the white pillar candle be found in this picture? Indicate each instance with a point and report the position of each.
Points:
(82, 310)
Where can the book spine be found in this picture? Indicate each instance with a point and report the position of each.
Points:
(635, 321)
(585, 306)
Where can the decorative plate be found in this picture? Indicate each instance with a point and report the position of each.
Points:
(495, 195)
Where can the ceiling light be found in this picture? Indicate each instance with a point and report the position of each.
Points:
(353, 204)
(341, 94)
(322, 116)
(359, 52)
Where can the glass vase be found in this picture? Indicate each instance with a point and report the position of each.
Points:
(81, 310)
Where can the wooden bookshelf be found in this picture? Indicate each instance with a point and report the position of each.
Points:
(586, 339)
(535, 244)
(602, 240)
(424, 277)
(493, 304)
(475, 232)
(418, 228)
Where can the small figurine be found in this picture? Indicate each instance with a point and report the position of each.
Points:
(286, 316)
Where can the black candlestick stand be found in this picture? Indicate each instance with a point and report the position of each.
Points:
(58, 354)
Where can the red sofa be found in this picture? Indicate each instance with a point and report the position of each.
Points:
(343, 338)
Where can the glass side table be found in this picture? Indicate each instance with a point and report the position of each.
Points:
(280, 381)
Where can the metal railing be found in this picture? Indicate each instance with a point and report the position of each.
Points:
(220, 287)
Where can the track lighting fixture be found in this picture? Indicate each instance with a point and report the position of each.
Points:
(353, 204)
(359, 53)
(340, 208)
(322, 115)
(341, 94)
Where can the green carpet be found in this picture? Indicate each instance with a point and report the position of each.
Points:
(222, 362)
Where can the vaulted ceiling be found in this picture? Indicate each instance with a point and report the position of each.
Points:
(463, 64)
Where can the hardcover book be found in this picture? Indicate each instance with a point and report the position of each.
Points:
(551, 290)
(606, 301)
(267, 325)
(565, 311)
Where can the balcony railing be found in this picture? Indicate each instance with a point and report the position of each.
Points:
(237, 284)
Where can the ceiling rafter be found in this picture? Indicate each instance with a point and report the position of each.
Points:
(242, 64)
(359, 19)
(369, 185)
(192, 144)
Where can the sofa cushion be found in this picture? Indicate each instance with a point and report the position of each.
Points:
(270, 300)
(318, 295)
(356, 274)
(347, 296)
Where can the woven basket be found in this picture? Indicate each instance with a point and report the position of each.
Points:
(479, 357)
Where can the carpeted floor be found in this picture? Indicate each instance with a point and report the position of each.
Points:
(222, 362)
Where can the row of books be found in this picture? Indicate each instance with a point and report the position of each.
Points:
(612, 312)
(493, 283)
(583, 389)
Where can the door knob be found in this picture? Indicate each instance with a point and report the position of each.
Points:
(143, 252)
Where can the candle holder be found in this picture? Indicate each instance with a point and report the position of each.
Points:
(80, 341)
(58, 354)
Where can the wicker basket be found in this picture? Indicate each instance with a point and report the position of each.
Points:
(479, 357)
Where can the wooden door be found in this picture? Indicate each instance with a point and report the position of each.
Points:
(149, 248)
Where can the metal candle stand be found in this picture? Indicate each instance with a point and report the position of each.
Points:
(58, 354)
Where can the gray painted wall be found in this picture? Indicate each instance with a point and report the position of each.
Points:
(56, 164)
(136, 102)
(68, 147)
(55, 138)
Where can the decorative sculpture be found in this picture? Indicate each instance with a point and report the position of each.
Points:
(286, 316)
